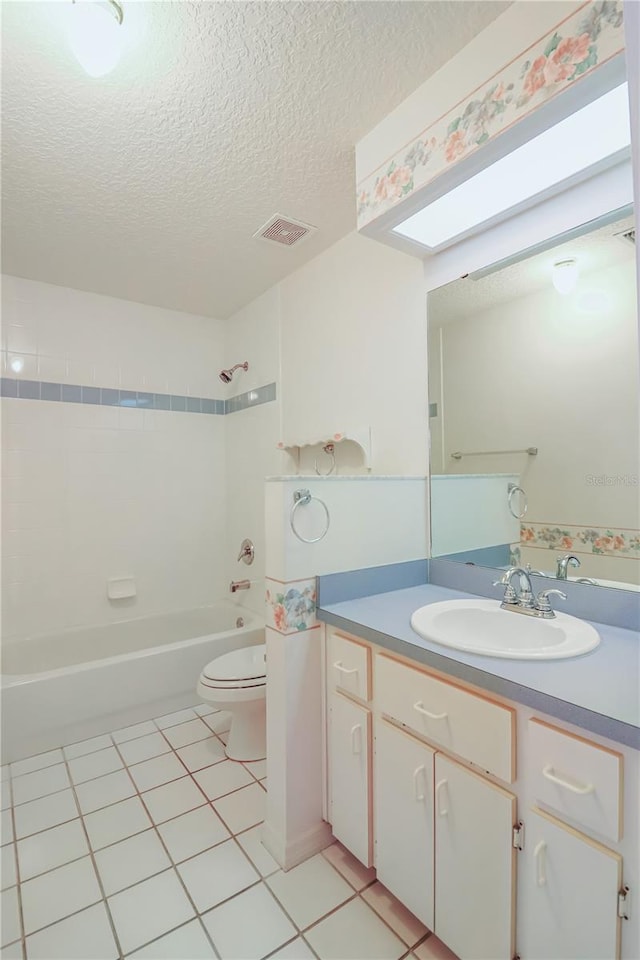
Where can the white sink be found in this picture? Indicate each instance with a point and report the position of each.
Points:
(480, 626)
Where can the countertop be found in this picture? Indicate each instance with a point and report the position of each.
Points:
(598, 691)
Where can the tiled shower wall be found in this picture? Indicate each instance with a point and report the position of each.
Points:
(92, 492)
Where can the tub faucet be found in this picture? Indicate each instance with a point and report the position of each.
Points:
(239, 585)
(563, 563)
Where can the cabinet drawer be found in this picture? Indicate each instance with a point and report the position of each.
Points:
(348, 668)
(468, 725)
(578, 778)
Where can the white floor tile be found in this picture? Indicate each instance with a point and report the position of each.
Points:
(222, 778)
(130, 861)
(310, 890)
(172, 799)
(188, 941)
(36, 763)
(408, 927)
(219, 722)
(117, 822)
(6, 826)
(137, 730)
(40, 783)
(87, 746)
(184, 733)
(204, 753)
(51, 848)
(149, 909)
(59, 893)
(44, 813)
(242, 809)
(347, 866)
(95, 765)
(10, 928)
(8, 873)
(237, 939)
(99, 793)
(171, 719)
(434, 949)
(258, 768)
(354, 932)
(151, 773)
(217, 874)
(203, 709)
(251, 843)
(297, 950)
(5, 794)
(192, 833)
(85, 936)
(144, 748)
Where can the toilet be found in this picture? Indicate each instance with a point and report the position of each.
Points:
(237, 682)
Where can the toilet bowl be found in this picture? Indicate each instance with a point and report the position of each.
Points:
(237, 682)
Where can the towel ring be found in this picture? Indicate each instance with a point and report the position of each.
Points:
(300, 499)
(330, 449)
(513, 489)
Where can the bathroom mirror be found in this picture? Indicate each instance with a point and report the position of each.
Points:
(534, 411)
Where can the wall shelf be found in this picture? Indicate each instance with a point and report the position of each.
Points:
(361, 437)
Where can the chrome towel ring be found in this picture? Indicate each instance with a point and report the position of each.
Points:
(513, 489)
(330, 450)
(300, 499)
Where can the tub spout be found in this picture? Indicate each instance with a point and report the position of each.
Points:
(239, 585)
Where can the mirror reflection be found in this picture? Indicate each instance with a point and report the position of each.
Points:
(534, 412)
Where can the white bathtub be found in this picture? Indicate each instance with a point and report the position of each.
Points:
(64, 687)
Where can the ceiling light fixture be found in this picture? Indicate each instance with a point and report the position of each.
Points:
(95, 35)
(564, 276)
(590, 140)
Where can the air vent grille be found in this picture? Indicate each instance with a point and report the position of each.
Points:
(628, 235)
(284, 230)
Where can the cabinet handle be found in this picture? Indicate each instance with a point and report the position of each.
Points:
(338, 666)
(432, 716)
(356, 738)
(548, 772)
(442, 811)
(540, 860)
(419, 795)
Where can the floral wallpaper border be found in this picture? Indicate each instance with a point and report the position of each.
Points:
(291, 607)
(580, 43)
(603, 541)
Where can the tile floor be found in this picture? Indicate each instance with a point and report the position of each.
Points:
(145, 843)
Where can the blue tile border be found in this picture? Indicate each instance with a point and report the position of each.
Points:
(139, 399)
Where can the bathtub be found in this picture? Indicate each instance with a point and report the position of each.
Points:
(64, 687)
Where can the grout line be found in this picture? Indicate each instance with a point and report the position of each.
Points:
(18, 883)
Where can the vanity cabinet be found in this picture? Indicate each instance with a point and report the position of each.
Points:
(569, 896)
(350, 776)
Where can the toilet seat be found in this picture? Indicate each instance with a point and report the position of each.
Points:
(238, 670)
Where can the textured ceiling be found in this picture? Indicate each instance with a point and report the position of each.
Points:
(593, 251)
(148, 184)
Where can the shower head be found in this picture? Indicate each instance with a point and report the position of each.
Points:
(227, 375)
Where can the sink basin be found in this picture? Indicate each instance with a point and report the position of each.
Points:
(480, 626)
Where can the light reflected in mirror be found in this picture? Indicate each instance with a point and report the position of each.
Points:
(534, 413)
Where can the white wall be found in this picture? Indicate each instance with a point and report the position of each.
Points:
(354, 353)
(91, 492)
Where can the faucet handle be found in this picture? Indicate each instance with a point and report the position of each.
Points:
(544, 604)
(510, 595)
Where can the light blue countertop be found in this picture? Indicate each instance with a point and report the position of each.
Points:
(599, 691)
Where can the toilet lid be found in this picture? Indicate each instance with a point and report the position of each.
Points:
(248, 663)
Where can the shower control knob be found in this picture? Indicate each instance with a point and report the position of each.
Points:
(247, 552)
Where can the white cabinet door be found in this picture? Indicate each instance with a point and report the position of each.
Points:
(568, 894)
(475, 864)
(403, 781)
(350, 773)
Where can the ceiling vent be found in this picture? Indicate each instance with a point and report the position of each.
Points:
(629, 235)
(284, 231)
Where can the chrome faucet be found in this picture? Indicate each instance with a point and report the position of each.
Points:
(524, 599)
(563, 563)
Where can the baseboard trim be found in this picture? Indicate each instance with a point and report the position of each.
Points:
(292, 852)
